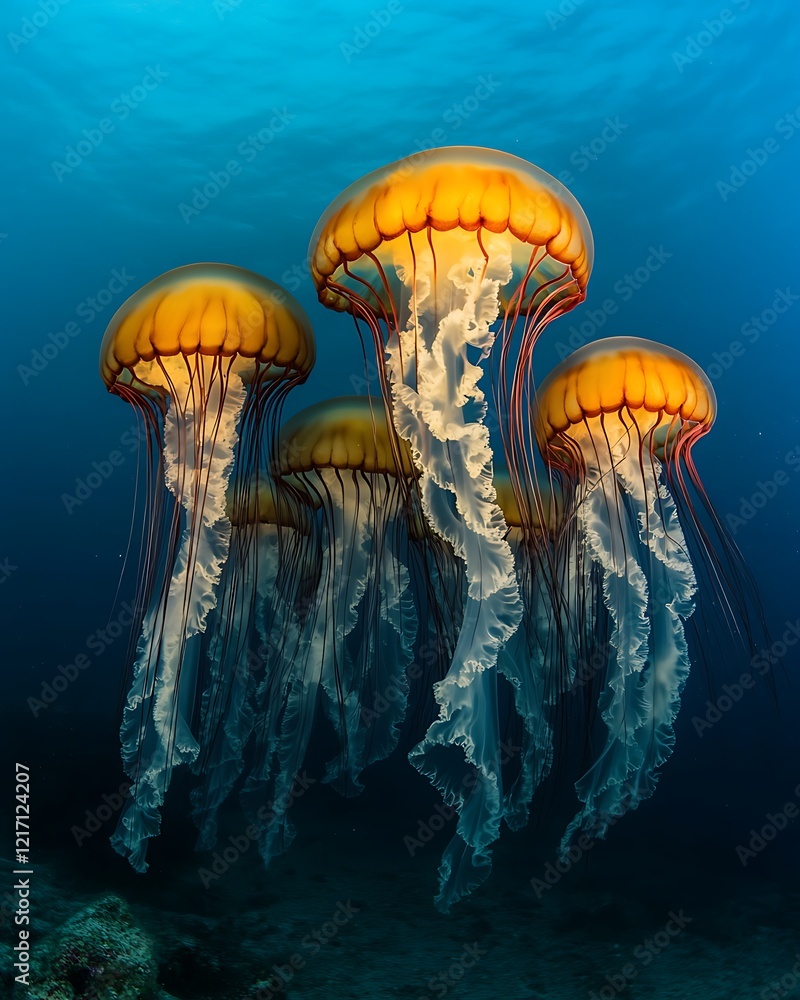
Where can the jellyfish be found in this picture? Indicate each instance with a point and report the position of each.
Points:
(288, 568)
(205, 354)
(617, 421)
(432, 254)
(358, 633)
(253, 638)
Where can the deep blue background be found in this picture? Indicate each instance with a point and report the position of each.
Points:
(686, 114)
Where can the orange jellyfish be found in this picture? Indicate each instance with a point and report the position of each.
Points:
(618, 421)
(448, 258)
(357, 629)
(205, 354)
(362, 629)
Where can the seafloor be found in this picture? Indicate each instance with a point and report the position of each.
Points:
(354, 909)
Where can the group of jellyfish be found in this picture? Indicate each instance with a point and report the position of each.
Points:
(292, 572)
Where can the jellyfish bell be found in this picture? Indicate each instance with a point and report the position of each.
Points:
(630, 388)
(618, 420)
(205, 353)
(466, 192)
(204, 311)
(432, 254)
(346, 433)
(543, 518)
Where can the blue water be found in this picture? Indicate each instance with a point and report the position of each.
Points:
(140, 136)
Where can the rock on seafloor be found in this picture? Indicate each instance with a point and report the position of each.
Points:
(98, 954)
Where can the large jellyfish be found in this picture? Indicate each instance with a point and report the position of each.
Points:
(617, 421)
(358, 634)
(429, 253)
(205, 354)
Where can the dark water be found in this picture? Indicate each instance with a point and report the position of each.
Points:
(676, 127)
